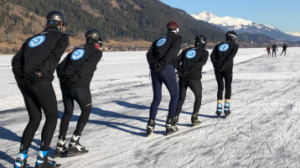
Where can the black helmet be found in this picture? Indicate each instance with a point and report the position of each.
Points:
(200, 41)
(55, 17)
(231, 36)
(93, 36)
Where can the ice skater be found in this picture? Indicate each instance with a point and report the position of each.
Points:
(222, 59)
(33, 67)
(189, 69)
(284, 47)
(274, 49)
(75, 73)
(162, 61)
(268, 49)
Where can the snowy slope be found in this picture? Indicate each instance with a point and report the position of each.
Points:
(244, 26)
(263, 130)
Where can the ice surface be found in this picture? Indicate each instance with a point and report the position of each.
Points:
(263, 130)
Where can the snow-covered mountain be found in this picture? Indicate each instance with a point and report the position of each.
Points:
(244, 26)
(293, 33)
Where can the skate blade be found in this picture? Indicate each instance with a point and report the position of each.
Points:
(71, 154)
(195, 124)
(169, 133)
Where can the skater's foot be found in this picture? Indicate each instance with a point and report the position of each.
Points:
(60, 148)
(75, 147)
(43, 161)
(150, 126)
(170, 125)
(219, 108)
(21, 161)
(195, 120)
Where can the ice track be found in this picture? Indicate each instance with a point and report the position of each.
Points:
(263, 130)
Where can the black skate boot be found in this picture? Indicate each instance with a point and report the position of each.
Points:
(43, 161)
(227, 109)
(150, 126)
(61, 149)
(219, 109)
(176, 119)
(75, 148)
(170, 125)
(21, 161)
(195, 120)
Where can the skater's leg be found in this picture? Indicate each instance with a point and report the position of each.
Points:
(34, 112)
(68, 101)
(170, 80)
(228, 80)
(156, 86)
(219, 79)
(182, 93)
(46, 96)
(196, 87)
(82, 96)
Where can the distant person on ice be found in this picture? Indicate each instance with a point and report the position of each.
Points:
(274, 49)
(189, 69)
(33, 67)
(162, 61)
(268, 49)
(75, 73)
(284, 47)
(222, 59)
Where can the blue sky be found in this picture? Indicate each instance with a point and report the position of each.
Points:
(282, 14)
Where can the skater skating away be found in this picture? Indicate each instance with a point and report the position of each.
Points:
(274, 49)
(268, 49)
(33, 67)
(75, 73)
(189, 69)
(284, 47)
(162, 61)
(222, 59)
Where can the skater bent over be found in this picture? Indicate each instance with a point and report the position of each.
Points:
(274, 49)
(189, 69)
(284, 47)
(75, 73)
(162, 61)
(222, 59)
(33, 67)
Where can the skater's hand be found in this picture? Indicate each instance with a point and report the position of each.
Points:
(158, 66)
(220, 68)
(39, 74)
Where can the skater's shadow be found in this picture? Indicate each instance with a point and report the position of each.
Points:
(11, 136)
(201, 115)
(115, 125)
(6, 157)
(139, 107)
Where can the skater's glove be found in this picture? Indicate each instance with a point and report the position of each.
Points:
(158, 66)
(180, 72)
(26, 80)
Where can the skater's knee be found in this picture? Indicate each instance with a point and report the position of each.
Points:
(35, 120)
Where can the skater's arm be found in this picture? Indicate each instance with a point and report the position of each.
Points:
(90, 64)
(16, 62)
(178, 60)
(230, 57)
(50, 64)
(173, 51)
(61, 66)
(150, 58)
(213, 56)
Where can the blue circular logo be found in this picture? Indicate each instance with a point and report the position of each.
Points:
(161, 42)
(224, 47)
(36, 41)
(191, 54)
(77, 54)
